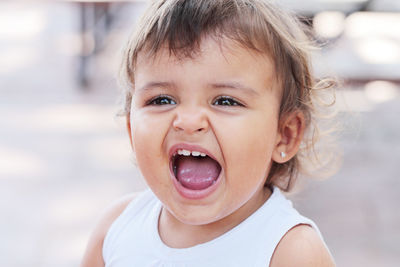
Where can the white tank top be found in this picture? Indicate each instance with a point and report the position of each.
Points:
(133, 238)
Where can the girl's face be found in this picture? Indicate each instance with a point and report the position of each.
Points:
(223, 103)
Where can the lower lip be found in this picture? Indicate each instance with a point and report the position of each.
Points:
(195, 194)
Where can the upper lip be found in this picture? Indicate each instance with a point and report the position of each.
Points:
(190, 147)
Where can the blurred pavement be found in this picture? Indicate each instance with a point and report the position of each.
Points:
(64, 155)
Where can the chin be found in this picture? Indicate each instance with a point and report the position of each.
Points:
(197, 215)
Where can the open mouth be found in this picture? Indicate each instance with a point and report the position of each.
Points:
(195, 170)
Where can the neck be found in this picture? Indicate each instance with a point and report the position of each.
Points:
(176, 234)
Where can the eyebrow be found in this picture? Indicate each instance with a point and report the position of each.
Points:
(229, 85)
(153, 85)
(236, 86)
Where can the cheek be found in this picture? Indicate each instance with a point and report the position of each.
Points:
(248, 152)
(148, 135)
(255, 133)
(148, 149)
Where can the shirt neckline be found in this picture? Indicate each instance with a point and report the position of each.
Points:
(199, 251)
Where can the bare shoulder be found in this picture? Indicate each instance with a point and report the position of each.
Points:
(301, 246)
(93, 255)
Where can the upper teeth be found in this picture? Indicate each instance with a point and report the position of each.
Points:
(184, 152)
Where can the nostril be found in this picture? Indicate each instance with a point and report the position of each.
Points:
(192, 125)
(199, 130)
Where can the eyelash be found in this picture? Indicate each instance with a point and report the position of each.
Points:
(226, 101)
(156, 101)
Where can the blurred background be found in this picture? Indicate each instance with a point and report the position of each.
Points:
(65, 155)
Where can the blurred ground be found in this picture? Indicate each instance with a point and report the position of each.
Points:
(64, 154)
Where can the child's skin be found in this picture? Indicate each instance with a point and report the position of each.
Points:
(225, 101)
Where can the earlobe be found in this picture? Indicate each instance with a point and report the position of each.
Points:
(291, 133)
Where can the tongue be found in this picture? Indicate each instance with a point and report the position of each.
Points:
(197, 173)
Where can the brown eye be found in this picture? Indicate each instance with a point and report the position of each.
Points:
(161, 100)
(226, 101)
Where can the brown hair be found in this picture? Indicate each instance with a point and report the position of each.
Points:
(259, 25)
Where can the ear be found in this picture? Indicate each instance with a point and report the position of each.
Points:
(128, 127)
(291, 132)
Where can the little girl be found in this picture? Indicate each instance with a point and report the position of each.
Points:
(219, 98)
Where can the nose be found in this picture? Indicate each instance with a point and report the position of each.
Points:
(191, 120)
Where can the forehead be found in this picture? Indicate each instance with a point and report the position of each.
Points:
(220, 55)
